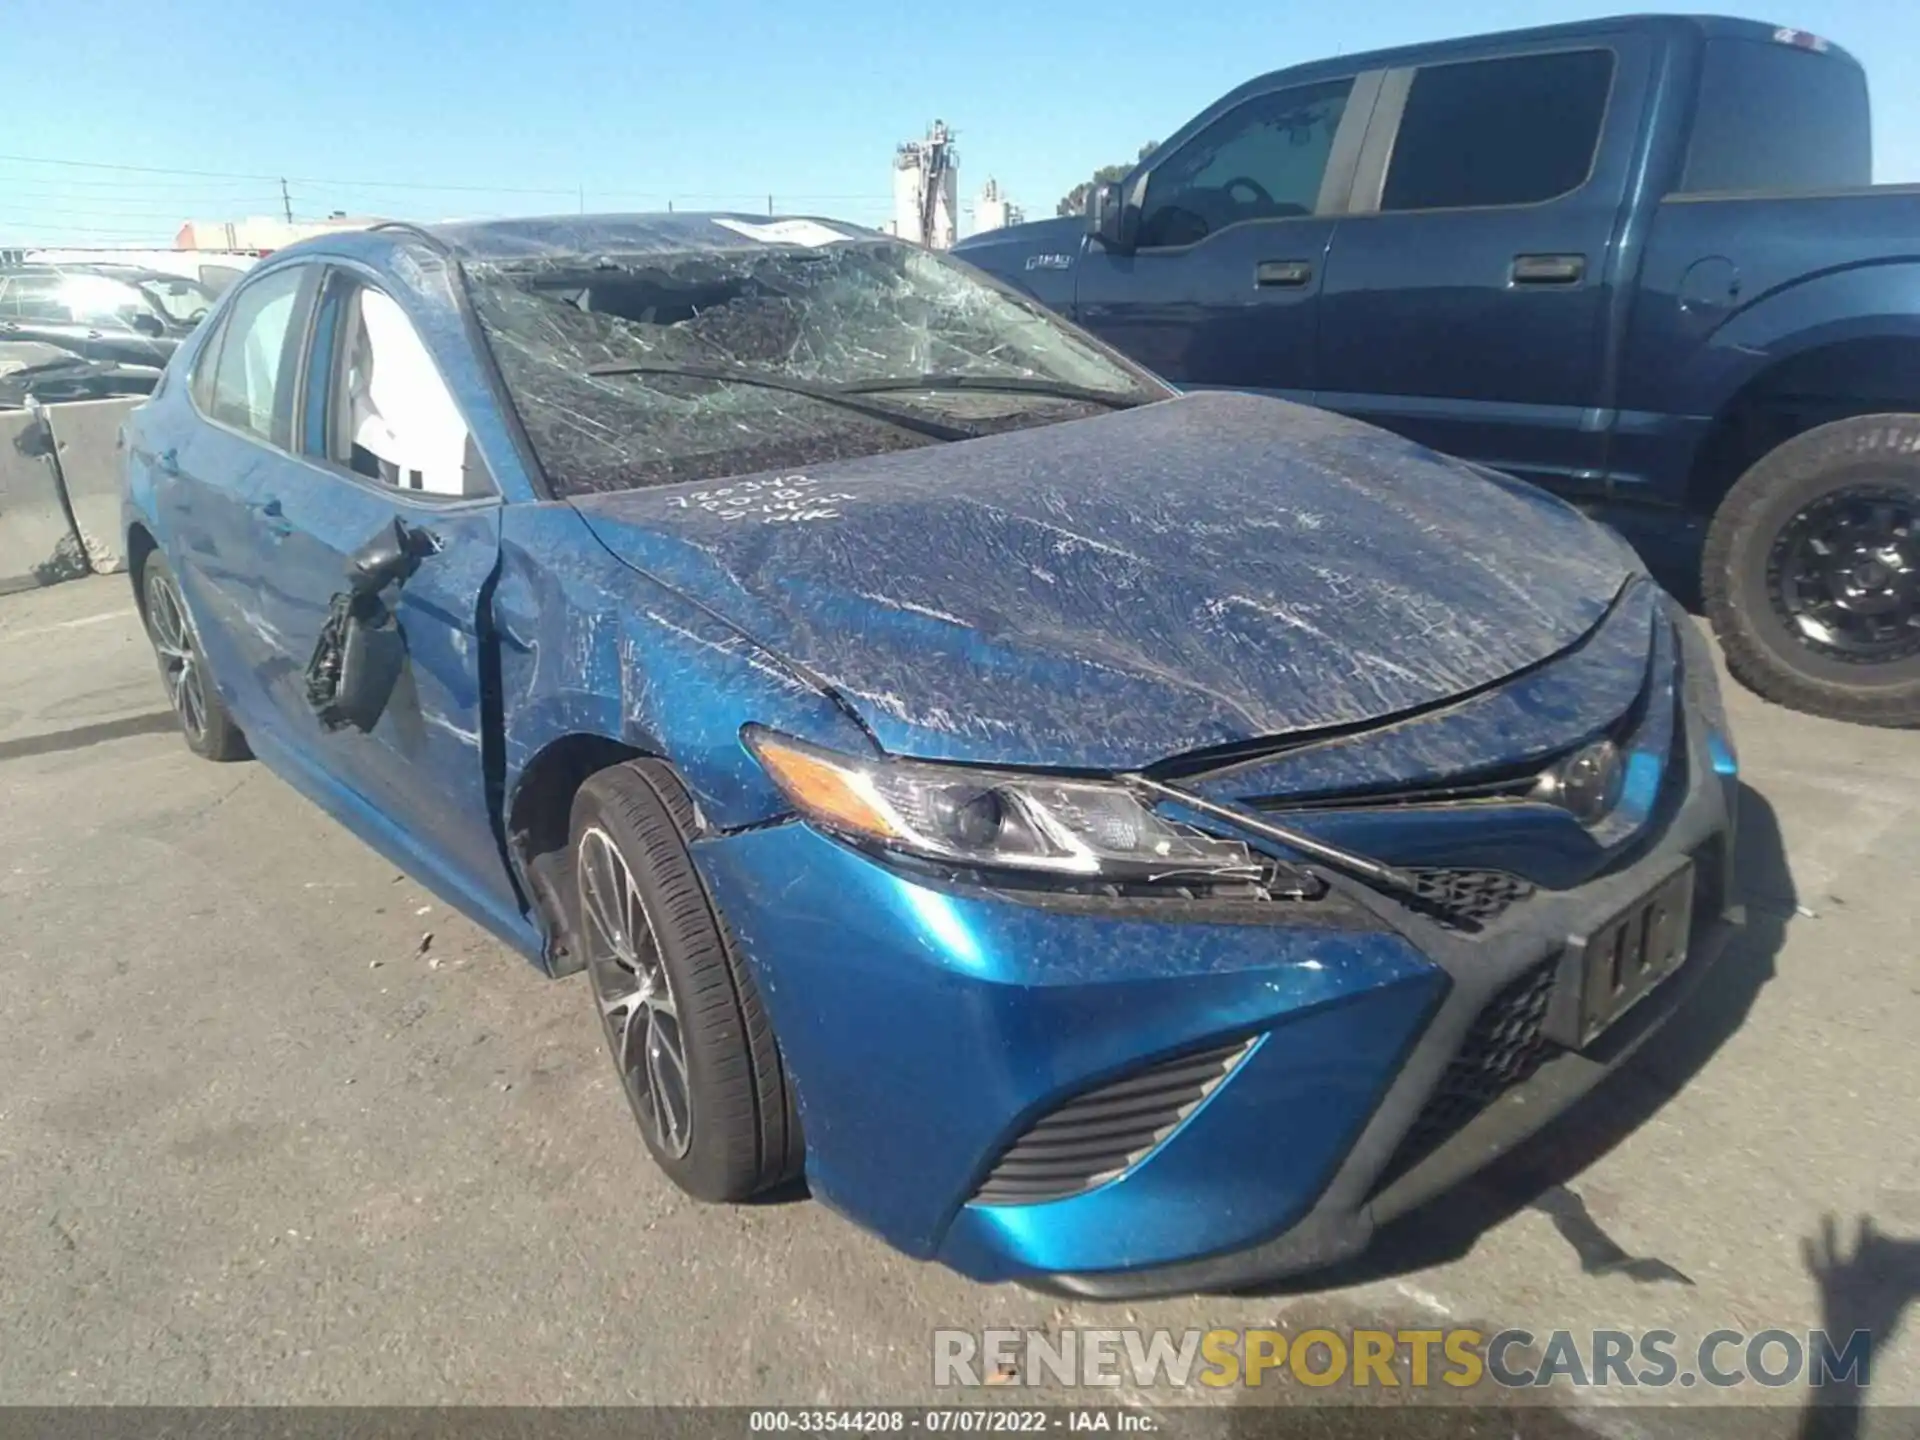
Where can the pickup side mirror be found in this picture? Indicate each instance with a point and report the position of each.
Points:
(1110, 219)
(148, 324)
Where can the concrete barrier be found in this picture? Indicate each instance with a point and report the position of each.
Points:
(38, 542)
(86, 441)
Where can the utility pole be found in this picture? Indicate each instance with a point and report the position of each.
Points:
(583, 198)
(286, 201)
(769, 205)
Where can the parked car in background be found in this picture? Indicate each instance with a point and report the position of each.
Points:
(1638, 261)
(1121, 839)
(111, 313)
(214, 269)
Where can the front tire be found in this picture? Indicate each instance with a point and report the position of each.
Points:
(693, 1046)
(1811, 572)
(205, 723)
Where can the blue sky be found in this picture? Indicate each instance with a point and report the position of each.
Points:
(364, 104)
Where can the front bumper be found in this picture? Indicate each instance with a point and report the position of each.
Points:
(927, 1028)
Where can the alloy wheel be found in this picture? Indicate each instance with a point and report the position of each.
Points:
(180, 667)
(634, 995)
(1844, 574)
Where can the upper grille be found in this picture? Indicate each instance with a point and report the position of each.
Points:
(1503, 1047)
(1470, 897)
(1102, 1133)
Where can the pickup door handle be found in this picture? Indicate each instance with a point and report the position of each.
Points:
(1548, 269)
(1277, 273)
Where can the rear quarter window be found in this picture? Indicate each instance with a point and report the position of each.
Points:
(1777, 117)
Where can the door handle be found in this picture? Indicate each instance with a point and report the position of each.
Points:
(270, 511)
(167, 462)
(1548, 269)
(1282, 273)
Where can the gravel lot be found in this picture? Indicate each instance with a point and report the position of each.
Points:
(258, 1146)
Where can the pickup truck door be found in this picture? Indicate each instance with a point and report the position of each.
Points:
(1223, 286)
(1474, 291)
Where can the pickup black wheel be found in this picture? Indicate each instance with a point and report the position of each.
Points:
(204, 722)
(693, 1046)
(1812, 572)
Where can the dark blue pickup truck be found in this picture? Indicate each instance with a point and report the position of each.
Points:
(1638, 261)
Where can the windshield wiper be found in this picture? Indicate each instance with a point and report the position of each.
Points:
(826, 394)
(1009, 384)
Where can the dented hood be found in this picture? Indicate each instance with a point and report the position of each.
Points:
(1109, 592)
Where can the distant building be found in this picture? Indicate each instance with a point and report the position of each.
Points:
(993, 210)
(260, 232)
(926, 189)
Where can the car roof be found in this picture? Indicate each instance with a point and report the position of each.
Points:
(560, 236)
(109, 268)
(538, 235)
(1669, 26)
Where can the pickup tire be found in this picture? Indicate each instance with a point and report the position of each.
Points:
(693, 1046)
(1811, 572)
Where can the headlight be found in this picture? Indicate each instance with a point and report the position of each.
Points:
(998, 819)
(1587, 784)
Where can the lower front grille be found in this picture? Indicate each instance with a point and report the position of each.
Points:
(1469, 898)
(1102, 1133)
(1503, 1047)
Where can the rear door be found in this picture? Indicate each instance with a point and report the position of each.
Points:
(1471, 294)
(1223, 288)
(241, 390)
(379, 438)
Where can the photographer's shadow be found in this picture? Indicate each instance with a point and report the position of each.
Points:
(1866, 1292)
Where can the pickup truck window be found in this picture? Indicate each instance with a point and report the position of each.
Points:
(1777, 117)
(1262, 160)
(1513, 131)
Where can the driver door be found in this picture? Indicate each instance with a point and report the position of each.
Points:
(380, 438)
(1223, 288)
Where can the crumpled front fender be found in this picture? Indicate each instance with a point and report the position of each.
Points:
(591, 647)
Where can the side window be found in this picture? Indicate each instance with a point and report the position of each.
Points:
(37, 297)
(252, 359)
(392, 417)
(1262, 160)
(101, 302)
(1778, 117)
(1515, 131)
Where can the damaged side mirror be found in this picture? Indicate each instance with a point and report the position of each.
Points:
(361, 650)
(389, 558)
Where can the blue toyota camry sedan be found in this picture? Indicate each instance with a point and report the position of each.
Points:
(1115, 839)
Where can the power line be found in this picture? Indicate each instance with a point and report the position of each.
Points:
(103, 212)
(291, 179)
(11, 183)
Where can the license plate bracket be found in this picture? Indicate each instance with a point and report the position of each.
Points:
(1608, 970)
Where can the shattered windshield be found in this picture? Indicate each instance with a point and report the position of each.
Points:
(665, 367)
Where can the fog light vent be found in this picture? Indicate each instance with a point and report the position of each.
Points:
(1102, 1133)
